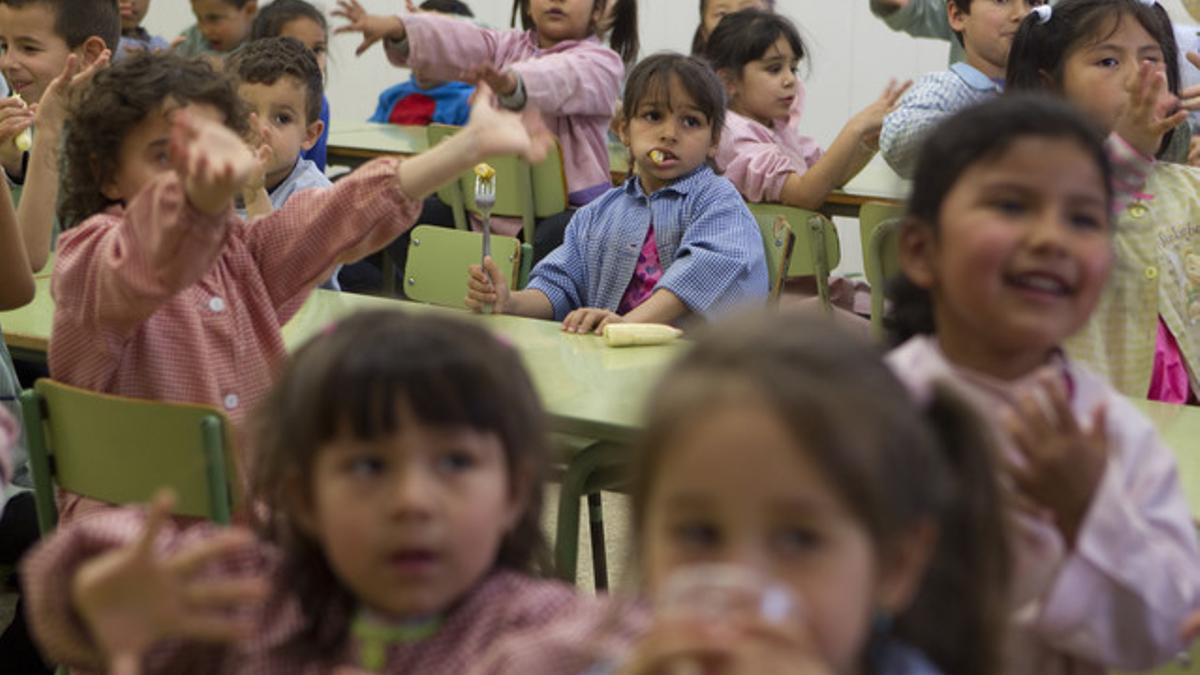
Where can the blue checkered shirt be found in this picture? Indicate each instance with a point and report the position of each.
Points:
(709, 247)
(931, 100)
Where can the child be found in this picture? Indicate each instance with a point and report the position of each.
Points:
(133, 36)
(401, 459)
(300, 20)
(279, 80)
(756, 54)
(41, 41)
(885, 540)
(673, 241)
(421, 102)
(1142, 336)
(161, 292)
(985, 29)
(1005, 252)
(711, 13)
(558, 67)
(221, 27)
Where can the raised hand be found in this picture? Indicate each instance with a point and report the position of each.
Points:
(52, 109)
(503, 132)
(373, 27)
(133, 597)
(1062, 463)
(486, 286)
(502, 82)
(868, 122)
(213, 162)
(1150, 111)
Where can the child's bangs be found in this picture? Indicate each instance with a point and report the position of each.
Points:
(650, 85)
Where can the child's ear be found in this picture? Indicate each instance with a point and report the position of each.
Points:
(917, 247)
(312, 134)
(299, 504)
(623, 130)
(91, 49)
(715, 145)
(900, 575)
(518, 496)
(729, 80)
(955, 16)
(250, 9)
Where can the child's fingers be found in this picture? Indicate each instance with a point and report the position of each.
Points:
(189, 561)
(1099, 430)
(366, 44)
(219, 628)
(1193, 58)
(227, 594)
(157, 515)
(125, 664)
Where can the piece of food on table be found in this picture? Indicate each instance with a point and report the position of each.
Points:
(637, 334)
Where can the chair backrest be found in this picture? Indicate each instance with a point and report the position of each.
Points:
(121, 450)
(817, 250)
(528, 192)
(778, 242)
(878, 226)
(438, 258)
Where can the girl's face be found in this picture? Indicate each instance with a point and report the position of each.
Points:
(1022, 252)
(677, 132)
(410, 522)
(145, 151)
(767, 87)
(559, 20)
(715, 10)
(734, 486)
(310, 34)
(1095, 76)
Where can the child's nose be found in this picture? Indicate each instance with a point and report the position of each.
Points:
(413, 494)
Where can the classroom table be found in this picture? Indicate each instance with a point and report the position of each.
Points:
(352, 144)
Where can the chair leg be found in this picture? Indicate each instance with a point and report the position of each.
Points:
(566, 538)
(596, 528)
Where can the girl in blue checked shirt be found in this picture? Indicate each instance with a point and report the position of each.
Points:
(674, 240)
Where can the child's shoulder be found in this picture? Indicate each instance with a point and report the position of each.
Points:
(521, 598)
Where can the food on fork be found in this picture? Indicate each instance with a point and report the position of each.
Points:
(485, 171)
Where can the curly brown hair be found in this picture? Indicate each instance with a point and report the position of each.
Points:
(355, 377)
(119, 99)
(267, 60)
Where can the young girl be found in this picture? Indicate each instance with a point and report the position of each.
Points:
(401, 459)
(756, 54)
(1005, 252)
(883, 544)
(674, 240)
(300, 20)
(711, 13)
(558, 67)
(1143, 335)
(161, 292)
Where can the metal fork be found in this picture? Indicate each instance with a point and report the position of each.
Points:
(485, 199)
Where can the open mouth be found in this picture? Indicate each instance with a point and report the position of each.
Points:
(414, 561)
(1040, 283)
(662, 157)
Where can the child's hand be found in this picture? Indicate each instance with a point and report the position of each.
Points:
(1191, 629)
(132, 597)
(501, 82)
(15, 117)
(52, 110)
(260, 140)
(590, 319)
(373, 27)
(1151, 110)
(749, 648)
(1063, 464)
(504, 132)
(868, 123)
(212, 161)
(488, 288)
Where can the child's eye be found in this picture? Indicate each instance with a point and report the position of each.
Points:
(651, 116)
(455, 461)
(365, 466)
(692, 122)
(796, 540)
(1109, 62)
(1087, 221)
(696, 536)
(1009, 206)
(283, 119)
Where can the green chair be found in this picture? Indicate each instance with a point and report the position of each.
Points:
(121, 450)
(778, 242)
(878, 225)
(525, 191)
(438, 258)
(817, 250)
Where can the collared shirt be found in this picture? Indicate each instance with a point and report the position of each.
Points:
(708, 243)
(931, 100)
(759, 159)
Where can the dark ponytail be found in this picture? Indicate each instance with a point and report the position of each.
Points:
(623, 27)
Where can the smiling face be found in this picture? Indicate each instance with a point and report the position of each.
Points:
(31, 53)
(734, 486)
(144, 151)
(281, 106)
(559, 20)
(716, 10)
(988, 30)
(766, 88)
(411, 521)
(1095, 75)
(668, 138)
(1020, 256)
(223, 25)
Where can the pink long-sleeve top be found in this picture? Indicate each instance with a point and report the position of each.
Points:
(1117, 598)
(161, 301)
(503, 603)
(574, 84)
(758, 159)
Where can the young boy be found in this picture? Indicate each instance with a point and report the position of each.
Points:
(134, 38)
(422, 102)
(36, 39)
(985, 30)
(221, 27)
